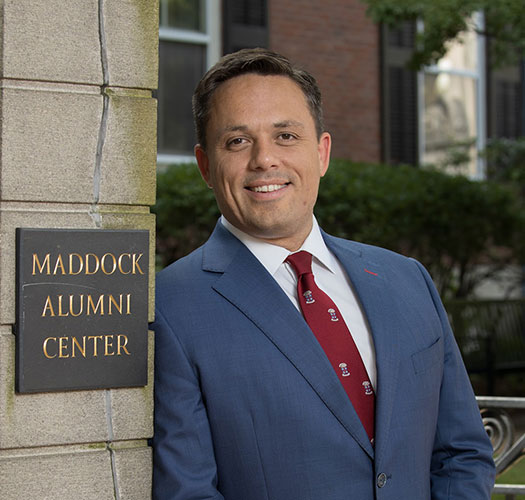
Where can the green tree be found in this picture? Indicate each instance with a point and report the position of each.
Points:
(464, 232)
(446, 20)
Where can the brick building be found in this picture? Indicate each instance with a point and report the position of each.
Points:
(375, 108)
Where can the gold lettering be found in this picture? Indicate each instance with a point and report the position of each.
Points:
(122, 346)
(136, 263)
(113, 301)
(95, 345)
(60, 307)
(120, 263)
(44, 348)
(62, 346)
(100, 304)
(103, 263)
(108, 345)
(58, 264)
(48, 305)
(128, 303)
(81, 349)
(97, 263)
(80, 263)
(36, 263)
(81, 305)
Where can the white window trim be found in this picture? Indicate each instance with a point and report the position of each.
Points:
(167, 159)
(213, 42)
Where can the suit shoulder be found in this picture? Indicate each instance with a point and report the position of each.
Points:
(184, 274)
(372, 252)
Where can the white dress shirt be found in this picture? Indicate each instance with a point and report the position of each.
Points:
(329, 276)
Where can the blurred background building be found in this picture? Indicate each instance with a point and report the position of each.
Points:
(376, 108)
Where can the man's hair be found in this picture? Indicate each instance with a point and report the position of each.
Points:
(261, 62)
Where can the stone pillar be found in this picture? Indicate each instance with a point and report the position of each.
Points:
(77, 150)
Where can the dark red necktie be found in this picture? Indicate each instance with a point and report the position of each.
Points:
(328, 325)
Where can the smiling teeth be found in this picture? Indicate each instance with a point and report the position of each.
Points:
(269, 188)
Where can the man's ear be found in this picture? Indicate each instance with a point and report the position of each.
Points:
(324, 148)
(203, 163)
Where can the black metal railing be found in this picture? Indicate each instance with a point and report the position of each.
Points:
(491, 336)
(508, 439)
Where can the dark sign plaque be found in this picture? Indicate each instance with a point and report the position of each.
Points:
(82, 309)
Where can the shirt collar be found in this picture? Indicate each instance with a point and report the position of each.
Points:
(272, 256)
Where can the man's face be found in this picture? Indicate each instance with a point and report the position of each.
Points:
(263, 159)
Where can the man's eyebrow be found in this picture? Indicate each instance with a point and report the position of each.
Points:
(277, 125)
(288, 123)
(235, 128)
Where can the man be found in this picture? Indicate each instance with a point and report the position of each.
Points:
(253, 394)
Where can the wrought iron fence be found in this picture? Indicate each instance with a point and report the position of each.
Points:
(508, 440)
(491, 336)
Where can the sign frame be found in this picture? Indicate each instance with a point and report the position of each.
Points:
(81, 309)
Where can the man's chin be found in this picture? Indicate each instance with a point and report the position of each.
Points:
(283, 235)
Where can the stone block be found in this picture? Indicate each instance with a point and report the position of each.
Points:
(30, 420)
(131, 33)
(129, 153)
(52, 40)
(49, 141)
(65, 473)
(132, 409)
(133, 467)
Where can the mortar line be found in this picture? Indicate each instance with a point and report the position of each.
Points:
(95, 214)
(111, 437)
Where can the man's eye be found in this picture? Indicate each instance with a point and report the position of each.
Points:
(285, 136)
(236, 142)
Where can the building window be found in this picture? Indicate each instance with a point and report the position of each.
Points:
(189, 44)
(245, 24)
(452, 106)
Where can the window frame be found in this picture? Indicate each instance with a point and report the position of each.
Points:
(210, 39)
(478, 75)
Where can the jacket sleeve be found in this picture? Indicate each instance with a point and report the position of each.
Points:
(462, 467)
(183, 459)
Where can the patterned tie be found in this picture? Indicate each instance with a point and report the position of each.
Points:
(331, 331)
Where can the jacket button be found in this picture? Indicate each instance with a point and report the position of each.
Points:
(381, 480)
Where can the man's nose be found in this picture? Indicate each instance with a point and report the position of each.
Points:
(263, 155)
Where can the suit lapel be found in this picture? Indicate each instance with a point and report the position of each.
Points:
(247, 285)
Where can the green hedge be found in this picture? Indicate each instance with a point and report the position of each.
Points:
(449, 223)
(186, 212)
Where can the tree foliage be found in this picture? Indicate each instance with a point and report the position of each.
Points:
(446, 20)
(448, 222)
(185, 210)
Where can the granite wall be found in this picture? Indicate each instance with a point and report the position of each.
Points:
(77, 150)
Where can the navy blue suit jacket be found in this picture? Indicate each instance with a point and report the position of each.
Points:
(247, 406)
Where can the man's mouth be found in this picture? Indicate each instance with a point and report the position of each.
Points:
(268, 188)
